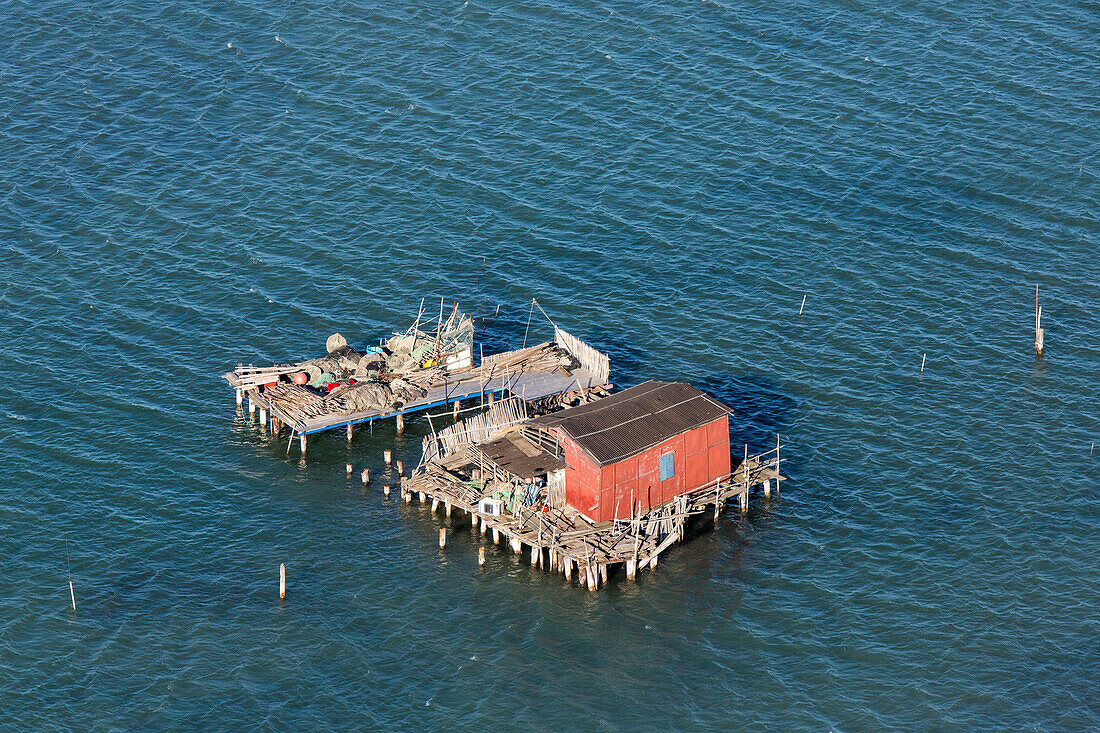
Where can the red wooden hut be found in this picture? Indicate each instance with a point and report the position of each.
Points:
(644, 445)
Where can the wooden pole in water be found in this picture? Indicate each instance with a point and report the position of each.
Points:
(778, 465)
(282, 581)
(69, 566)
(387, 454)
(302, 444)
(923, 357)
(1038, 324)
(350, 468)
(240, 396)
(365, 476)
(481, 556)
(802, 306)
(400, 422)
(442, 537)
(350, 429)
(385, 489)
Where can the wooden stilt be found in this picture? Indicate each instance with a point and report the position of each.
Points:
(603, 573)
(282, 581)
(385, 489)
(351, 469)
(481, 556)
(400, 423)
(251, 406)
(447, 509)
(435, 504)
(496, 536)
(240, 398)
(422, 496)
(442, 537)
(767, 488)
(535, 553)
(263, 418)
(653, 563)
(400, 468)
(484, 526)
(302, 444)
(365, 475)
(350, 429)
(408, 496)
(517, 546)
(631, 569)
(387, 454)
(568, 569)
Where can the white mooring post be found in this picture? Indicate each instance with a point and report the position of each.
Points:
(240, 396)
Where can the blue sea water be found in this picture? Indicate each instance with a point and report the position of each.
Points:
(185, 186)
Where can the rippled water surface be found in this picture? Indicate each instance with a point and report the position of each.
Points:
(185, 187)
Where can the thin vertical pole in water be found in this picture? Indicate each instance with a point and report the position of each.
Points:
(923, 357)
(282, 581)
(529, 314)
(68, 565)
(1038, 324)
(802, 306)
(778, 465)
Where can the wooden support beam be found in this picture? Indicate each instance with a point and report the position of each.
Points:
(302, 444)
(400, 423)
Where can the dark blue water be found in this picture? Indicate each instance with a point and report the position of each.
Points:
(185, 187)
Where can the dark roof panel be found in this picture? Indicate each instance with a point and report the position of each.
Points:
(635, 419)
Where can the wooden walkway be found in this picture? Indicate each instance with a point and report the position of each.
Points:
(563, 540)
(528, 385)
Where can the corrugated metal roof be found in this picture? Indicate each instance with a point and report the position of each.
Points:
(635, 419)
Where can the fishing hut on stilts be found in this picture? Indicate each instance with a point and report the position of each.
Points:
(588, 490)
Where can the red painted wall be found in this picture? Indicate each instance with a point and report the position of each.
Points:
(700, 456)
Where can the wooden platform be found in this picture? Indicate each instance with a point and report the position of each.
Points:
(562, 540)
(529, 385)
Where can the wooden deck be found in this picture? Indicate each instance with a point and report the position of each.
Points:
(562, 540)
(528, 385)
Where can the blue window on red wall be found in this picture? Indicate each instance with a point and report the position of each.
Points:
(668, 467)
